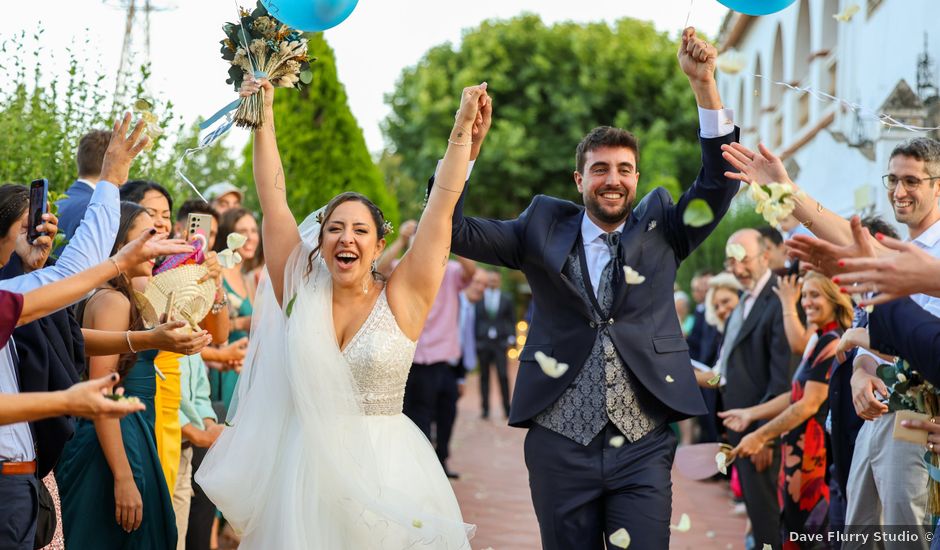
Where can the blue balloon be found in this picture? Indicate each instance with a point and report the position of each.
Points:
(310, 15)
(757, 7)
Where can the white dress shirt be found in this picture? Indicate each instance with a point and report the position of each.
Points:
(596, 251)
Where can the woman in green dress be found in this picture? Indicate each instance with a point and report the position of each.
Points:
(238, 285)
(114, 494)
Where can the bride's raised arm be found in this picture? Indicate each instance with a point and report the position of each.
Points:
(414, 284)
(279, 229)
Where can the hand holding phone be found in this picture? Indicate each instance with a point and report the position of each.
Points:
(38, 204)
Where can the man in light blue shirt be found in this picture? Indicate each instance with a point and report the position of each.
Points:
(91, 245)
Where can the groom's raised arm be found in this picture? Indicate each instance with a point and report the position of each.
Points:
(716, 127)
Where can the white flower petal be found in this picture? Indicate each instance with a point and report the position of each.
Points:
(684, 524)
(670, 379)
(731, 62)
(226, 259)
(721, 460)
(631, 277)
(417, 523)
(235, 240)
(767, 547)
(736, 251)
(237, 257)
(620, 538)
(710, 534)
(617, 441)
(847, 14)
(550, 365)
(713, 381)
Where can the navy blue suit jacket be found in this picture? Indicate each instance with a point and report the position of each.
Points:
(901, 327)
(72, 209)
(643, 322)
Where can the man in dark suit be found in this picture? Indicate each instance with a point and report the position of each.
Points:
(703, 342)
(495, 332)
(88, 158)
(755, 367)
(599, 449)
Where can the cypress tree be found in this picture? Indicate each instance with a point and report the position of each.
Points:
(322, 147)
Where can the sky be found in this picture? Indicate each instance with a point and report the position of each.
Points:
(373, 46)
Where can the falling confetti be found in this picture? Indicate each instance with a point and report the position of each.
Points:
(670, 379)
(617, 441)
(731, 62)
(550, 365)
(698, 213)
(736, 251)
(620, 538)
(684, 524)
(721, 460)
(417, 523)
(713, 381)
(847, 14)
(631, 277)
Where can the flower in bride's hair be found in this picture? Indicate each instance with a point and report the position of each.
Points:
(620, 538)
(320, 217)
(235, 241)
(550, 365)
(387, 227)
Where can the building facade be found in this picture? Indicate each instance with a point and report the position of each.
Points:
(882, 59)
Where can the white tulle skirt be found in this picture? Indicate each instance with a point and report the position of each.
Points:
(301, 467)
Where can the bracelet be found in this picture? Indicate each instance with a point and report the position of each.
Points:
(789, 313)
(217, 306)
(116, 266)
(808, 224)
(452, 142)
(446, 189)
(127, 336)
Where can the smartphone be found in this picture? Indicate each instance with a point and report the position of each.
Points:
(199, 224)
(38, 197)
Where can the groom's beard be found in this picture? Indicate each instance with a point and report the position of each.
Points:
(608, 216)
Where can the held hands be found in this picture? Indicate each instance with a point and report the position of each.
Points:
(481, 126)
(122, 149)
(911, 271)
(34, 254)
(472, 100)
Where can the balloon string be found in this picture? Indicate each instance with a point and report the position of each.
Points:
(688, 16)
(882, 118)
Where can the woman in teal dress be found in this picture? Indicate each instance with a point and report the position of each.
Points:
(114, 494)
(239, 289)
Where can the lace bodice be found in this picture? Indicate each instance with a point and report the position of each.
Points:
(380, 356)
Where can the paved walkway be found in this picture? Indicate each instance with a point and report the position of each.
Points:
(494, 493)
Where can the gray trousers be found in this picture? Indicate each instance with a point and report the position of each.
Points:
(887, 483)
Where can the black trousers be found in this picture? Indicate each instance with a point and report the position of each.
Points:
(201, 510)
(583, 494)
(761, 495)
(19, 495)
(422, 391)
(493, 355)
(446, 413)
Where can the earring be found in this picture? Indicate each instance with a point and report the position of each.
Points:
(375, 266)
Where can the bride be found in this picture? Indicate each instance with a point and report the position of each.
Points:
(319, 454)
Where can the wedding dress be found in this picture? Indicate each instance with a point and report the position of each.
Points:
(317, 453)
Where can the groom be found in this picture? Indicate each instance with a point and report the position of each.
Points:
(630, 371)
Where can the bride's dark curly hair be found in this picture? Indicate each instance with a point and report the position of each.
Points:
(377, 217)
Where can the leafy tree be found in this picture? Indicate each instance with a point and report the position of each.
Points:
(711, 253)
(322, 147)
(42, 120)
(551, 85)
